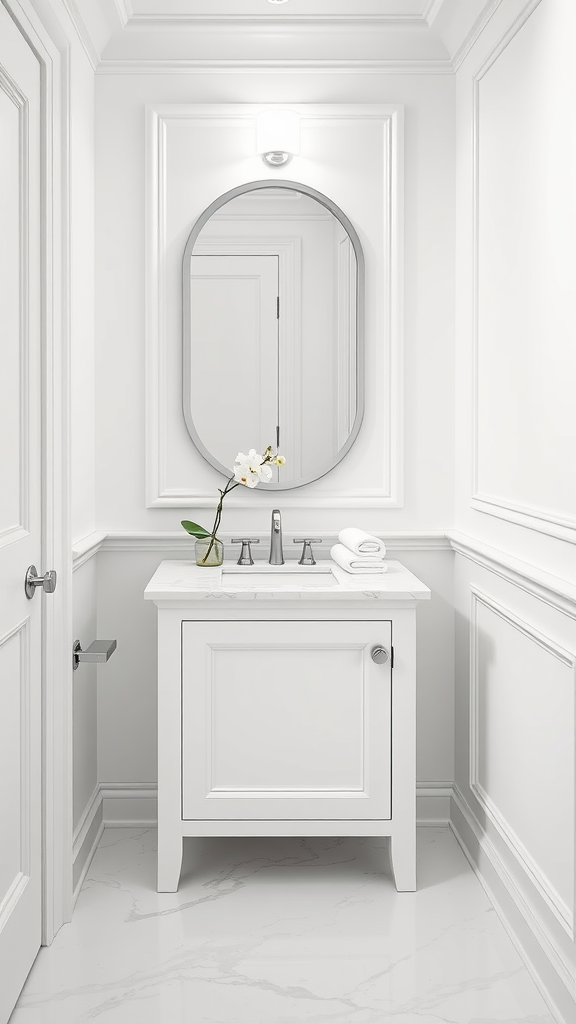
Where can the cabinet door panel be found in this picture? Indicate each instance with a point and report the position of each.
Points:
(285, 720)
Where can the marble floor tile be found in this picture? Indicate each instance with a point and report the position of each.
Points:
(280, 931)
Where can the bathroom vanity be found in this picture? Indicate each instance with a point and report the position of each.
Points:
(286, 706)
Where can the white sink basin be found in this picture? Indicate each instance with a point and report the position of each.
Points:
(277, 576)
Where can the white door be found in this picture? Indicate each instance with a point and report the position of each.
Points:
(288, 720)
(20, 511)
(234, 366)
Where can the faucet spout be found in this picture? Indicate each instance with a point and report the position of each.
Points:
(276, 552)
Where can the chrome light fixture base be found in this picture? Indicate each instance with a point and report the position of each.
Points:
(276, 158)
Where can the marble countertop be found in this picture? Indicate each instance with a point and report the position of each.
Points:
(185, 581)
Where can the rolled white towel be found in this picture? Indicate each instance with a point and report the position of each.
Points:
(358, 564)
(361, 543)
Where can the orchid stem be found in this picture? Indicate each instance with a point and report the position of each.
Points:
(218, 517)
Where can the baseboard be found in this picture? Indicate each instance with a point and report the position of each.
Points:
(537, 945)
(433, 801)
(129, 804)
(86, 837)
(135, 804)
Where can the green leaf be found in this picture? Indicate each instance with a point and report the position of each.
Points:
(194, 530)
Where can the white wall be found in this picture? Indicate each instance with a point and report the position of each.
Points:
(121, 305)
(516, 441)
(515, 444)
(127, 685)
(82, 425)
(82, 433)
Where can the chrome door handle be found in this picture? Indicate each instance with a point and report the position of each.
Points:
(32, 580)
(99, 652)
(379, 655)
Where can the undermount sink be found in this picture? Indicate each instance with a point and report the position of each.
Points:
(288, 575)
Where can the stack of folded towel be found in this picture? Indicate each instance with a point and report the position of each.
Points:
(359, 552)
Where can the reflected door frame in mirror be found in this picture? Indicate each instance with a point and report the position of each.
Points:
(187, 347)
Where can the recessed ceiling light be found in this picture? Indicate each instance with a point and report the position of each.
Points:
(277, 1)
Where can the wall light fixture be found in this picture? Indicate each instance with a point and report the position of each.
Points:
(277, 135)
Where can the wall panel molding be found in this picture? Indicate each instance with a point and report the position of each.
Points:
(564, 913)
(555, 523)
(389, 459)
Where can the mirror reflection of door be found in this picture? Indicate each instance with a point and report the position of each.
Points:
(234, 377)
(271, 343)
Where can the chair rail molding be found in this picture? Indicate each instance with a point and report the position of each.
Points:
(388, 459)
(558, 593)
(178, 543)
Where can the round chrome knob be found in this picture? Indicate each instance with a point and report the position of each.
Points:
(379, 655)
(32, 580)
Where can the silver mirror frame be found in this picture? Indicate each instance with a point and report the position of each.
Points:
(240, 190)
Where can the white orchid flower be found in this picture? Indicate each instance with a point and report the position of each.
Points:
(250, 469)
(243, 475)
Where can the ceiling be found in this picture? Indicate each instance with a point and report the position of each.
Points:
(403, 36)
(326, 9)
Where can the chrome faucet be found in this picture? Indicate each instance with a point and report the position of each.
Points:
(276, 553)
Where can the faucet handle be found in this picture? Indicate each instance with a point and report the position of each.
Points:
(307, 557)
(246, 552)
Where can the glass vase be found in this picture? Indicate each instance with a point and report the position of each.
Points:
(209, 551)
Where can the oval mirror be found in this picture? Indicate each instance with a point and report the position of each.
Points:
(273, 282)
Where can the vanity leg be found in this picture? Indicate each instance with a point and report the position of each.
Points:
(169, 862)
(403, 839)
(403, 860)
(169, 750)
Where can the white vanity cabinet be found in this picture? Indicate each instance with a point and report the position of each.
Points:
(285, 712)
(287, 721)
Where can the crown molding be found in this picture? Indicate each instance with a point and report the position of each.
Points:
(82, 33)
(131, 23)
(270, 21)
(124, 11)
(474, 34)
(203, 67)
(432, 11)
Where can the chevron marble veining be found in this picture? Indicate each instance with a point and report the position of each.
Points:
(280, 931)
